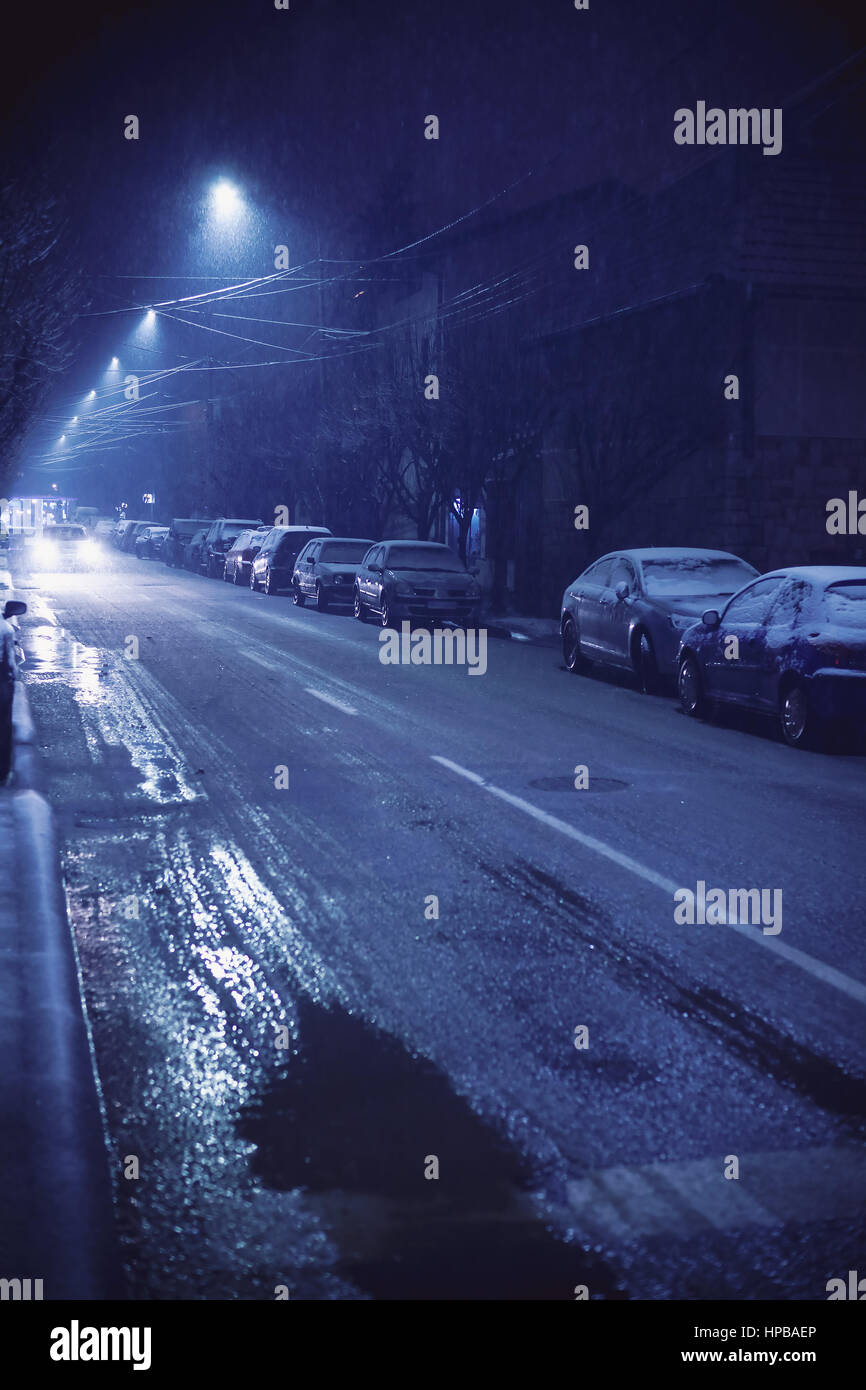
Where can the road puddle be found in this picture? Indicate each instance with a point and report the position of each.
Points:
(354, 1122)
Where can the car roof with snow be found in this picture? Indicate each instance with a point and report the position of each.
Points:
(414, 545)
(673, 552)
(821, 574)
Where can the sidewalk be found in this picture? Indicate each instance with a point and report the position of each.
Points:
(55, 1199)
(513, 628)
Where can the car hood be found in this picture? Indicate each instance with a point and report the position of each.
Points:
(688, 605)
(428, 577)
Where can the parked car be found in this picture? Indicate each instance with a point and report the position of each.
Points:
(630, 608)
(131, 535)
(104, 528)
(218, 541)
(240, 556)
(180, 533)
(415, 579)
(325, 570)
(64, 546)
(123, 529)
(150, 541)
(194, 549)
(792, 645)
(10, 659)
(273, 567)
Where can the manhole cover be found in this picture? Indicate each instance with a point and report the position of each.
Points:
(566, 784)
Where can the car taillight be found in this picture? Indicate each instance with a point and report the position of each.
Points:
(845, 658)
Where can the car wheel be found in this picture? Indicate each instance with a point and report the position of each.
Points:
(571, 655)
(799, 724)
(253, 582)
(298, 599)
(270, 587)
(385, 619)
(647, 668)
(691, 689)
(321, 599)
(226, 579)
(239, 574)
(359, 608)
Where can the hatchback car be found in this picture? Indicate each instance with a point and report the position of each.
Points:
(65, 546)
(791, 645)
(630, 608)
(325, 570)
(240, 556)
(415, 579)
(149, 543)
(273, 567)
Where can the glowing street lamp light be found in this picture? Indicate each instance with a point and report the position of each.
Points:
(91, 395)
(115, 362)
(226, 201)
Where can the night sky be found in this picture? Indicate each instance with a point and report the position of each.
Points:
(317, 113)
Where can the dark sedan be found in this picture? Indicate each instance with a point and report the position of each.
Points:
(630, 608)
(791, 645)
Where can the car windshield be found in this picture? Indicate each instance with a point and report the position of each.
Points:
(65, 533)
(421, 559)
(845, 605)
(343, 552)
(185, 528)
(695, 575)
(234, 528)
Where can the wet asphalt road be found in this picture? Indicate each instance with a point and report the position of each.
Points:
(212, 910)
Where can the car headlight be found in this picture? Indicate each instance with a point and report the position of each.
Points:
(45, 552)
(402, 586)
(89, 549)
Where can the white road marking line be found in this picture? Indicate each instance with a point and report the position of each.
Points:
(816, 968)
(684, 1198)
(260, 661)
(330, 700)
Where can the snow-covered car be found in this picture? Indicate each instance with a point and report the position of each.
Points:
(325, 570)
(149, 544)
(273, 567)
(193, 550)
(241, 554)
(415, 579)
(124, 530)
(792, 645)
(630, 608)
(220, 537)
(65, 546)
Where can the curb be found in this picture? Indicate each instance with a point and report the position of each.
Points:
(56, 1211)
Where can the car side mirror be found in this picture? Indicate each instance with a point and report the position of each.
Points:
(711, 618)
(621, 590)
(14, 608)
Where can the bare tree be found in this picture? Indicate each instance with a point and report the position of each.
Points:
(39, 299)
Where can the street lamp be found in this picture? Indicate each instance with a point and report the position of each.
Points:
(226, 201)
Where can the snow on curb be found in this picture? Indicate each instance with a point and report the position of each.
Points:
(55, 1202)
